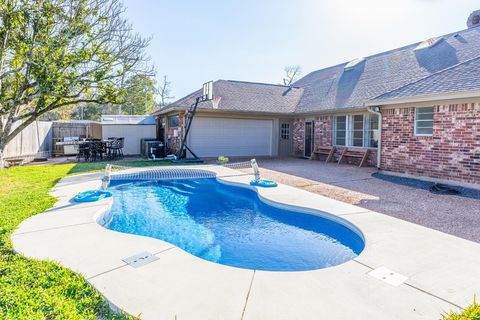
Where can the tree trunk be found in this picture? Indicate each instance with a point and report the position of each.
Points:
(2, 149)
(4, 137)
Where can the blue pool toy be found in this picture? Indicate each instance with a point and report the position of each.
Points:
(260, 182)
(263, 183)
(92, 196)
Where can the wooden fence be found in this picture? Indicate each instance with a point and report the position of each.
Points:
(39, 138)
(81, 129)
(33, 141)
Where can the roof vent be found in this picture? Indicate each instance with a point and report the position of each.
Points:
(474, 19)
(428, 43)
(353, 63)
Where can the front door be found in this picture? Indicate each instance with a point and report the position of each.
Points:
(285, 146)
(309, 132)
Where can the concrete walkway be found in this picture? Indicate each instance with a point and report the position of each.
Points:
(422, 272)
(456, 215)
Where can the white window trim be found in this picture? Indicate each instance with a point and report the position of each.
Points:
(285, 131)
(334, 138)
(348, 130)
(415, 123)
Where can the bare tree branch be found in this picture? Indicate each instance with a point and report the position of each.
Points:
(165, 91)
(291, 74)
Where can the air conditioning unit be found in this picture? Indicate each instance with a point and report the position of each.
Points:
(153, 149)
(143, 150)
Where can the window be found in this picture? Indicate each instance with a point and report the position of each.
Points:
(424, 121)
(359, 130)
(340, 130)
(173, 121)
(352, 64)
(371, 131)
(285, 131)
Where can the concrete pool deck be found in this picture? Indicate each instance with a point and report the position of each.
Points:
(442, 271)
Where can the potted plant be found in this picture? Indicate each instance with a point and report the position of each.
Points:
(222, 160)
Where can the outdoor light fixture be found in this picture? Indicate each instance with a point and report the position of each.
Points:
(376, 109)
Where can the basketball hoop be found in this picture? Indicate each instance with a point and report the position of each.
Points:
(207, 91)
(216, 101)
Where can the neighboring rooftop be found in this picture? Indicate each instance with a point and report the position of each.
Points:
(127, 119)
(459, 78)
(246, 97)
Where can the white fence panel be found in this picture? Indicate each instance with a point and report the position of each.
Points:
(35, 139)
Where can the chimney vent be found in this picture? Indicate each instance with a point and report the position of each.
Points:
(474, 19)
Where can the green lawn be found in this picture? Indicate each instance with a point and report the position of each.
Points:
(34, 289)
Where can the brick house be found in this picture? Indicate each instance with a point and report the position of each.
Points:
(416, 109)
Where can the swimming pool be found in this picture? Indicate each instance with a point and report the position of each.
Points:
(230, 225)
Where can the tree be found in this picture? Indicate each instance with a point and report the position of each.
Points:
(88, 111)
(139, 95)
(64, 113)
(164, 92)
(291, 74)
(58, 53)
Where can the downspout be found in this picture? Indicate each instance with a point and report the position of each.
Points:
(376, 110)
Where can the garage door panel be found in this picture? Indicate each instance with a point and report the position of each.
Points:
(211, 137)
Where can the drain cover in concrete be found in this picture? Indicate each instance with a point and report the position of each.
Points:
(390, 277)
(140, 259)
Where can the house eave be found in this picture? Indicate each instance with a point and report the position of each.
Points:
(425, 98)
(330, 111)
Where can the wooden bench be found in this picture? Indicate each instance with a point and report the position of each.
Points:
(361, 154)
(329, 152)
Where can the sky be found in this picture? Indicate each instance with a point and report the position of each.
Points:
(195, 41)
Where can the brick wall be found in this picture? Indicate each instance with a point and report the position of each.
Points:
(452, 152)
(323, 131)
(298, 132)
(323, 137)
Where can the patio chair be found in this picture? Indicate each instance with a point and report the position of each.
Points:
(83, 151)
(98, 149)
(115, 150)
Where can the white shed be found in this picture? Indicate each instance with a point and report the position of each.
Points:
(132, 128)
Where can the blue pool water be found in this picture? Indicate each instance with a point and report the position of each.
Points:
(230, 225)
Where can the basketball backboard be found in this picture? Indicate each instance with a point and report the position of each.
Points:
(208, 90)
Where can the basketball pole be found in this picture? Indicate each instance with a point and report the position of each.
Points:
(182, 153)
(207, 95)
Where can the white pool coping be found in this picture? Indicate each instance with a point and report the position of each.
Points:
(442, 271)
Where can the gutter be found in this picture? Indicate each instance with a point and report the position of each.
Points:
(425, 98)
(376, 110)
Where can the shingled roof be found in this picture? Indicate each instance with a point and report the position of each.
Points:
(247, 97)
(336, 88)
(420, 68)
(459, 78)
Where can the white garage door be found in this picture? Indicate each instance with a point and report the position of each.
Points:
(212, 137)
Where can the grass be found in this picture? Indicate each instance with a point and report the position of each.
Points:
(472, 312)
(99, 166)
(35, 289)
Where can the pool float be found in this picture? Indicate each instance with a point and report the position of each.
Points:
(92, 196)
(263, 183)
